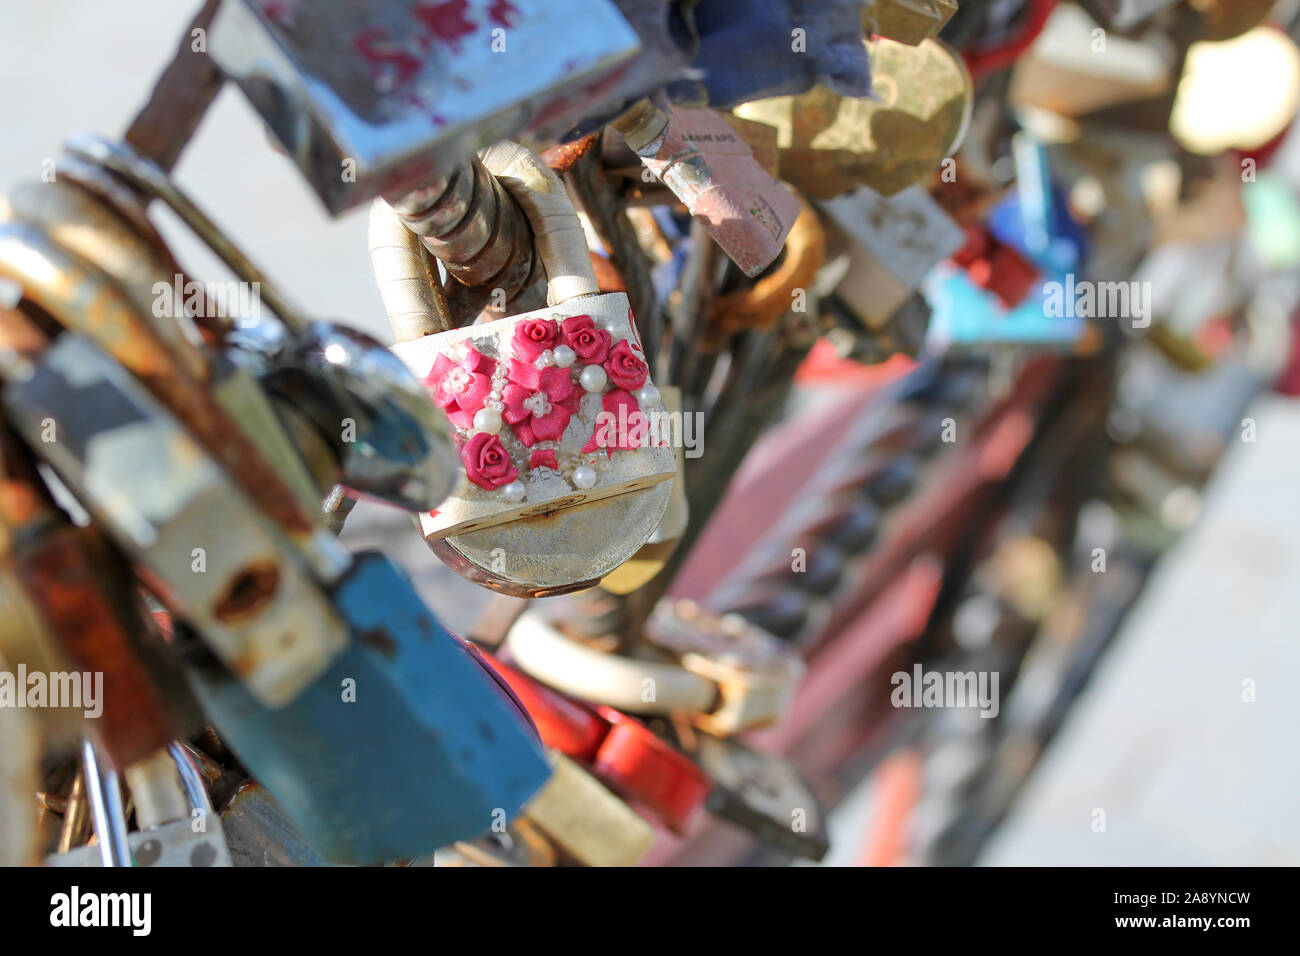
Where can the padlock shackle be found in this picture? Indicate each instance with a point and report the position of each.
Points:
(104, 793)
(561, 243)
(542, 652)
(166, 787)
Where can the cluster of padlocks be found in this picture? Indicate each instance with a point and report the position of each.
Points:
(607, 234)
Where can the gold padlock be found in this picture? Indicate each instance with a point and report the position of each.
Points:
(830, 144)
(584, 819)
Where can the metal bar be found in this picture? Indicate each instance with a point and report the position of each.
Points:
(106, 807)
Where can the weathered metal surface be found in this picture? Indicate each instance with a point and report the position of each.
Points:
(396, 90)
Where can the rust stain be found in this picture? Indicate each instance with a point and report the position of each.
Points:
(563, 157)
(247, 593)
(379, 639)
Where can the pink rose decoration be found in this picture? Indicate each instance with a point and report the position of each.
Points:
(461, 388)
(535, 336)
(626, 369)
(543, 457)
(539, 401)
(589, 343)
(622, 426)
(486, 461)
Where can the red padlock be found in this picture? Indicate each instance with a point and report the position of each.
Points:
(997, 267)
(620, 750)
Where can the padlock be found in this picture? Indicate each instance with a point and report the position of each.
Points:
(203, 547)
(620, 751)
(908, 21)
(360, 96)
(756, 674)
(890, 243)
(556, 454)
(84, 593)
(764, 794)
(406, 744)
(19, 781)
(83, 300)
(365, 407)
(1061, 72)
(590, 824)
(711, 169)
(176, 823)
(725, 676)
(831, 144)
(29, 647)
(347, 400)
(997, 267)
(259, 833)
(98, 786)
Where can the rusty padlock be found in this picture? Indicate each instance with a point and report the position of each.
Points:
(247, 588)
(82, 589)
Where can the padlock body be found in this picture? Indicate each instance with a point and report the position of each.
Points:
(551, 424)
(402, 746)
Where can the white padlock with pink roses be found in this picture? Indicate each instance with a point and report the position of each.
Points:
(551, 409)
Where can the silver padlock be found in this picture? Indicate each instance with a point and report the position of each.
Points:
(355, 414)
(160, 497)
(177, 824)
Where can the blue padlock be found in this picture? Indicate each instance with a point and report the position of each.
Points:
(404, 745)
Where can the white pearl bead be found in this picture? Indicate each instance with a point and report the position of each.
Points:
(618, 328)
(545, 360)
(584, 477)
(565, 356)
(593, 378)
(487, 420)
(514, 491)
(647, 396)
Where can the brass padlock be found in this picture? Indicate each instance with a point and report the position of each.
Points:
(556, 418)
(584, 819)
(830, 144)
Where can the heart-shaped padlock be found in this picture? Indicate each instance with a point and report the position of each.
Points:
(561, 432)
